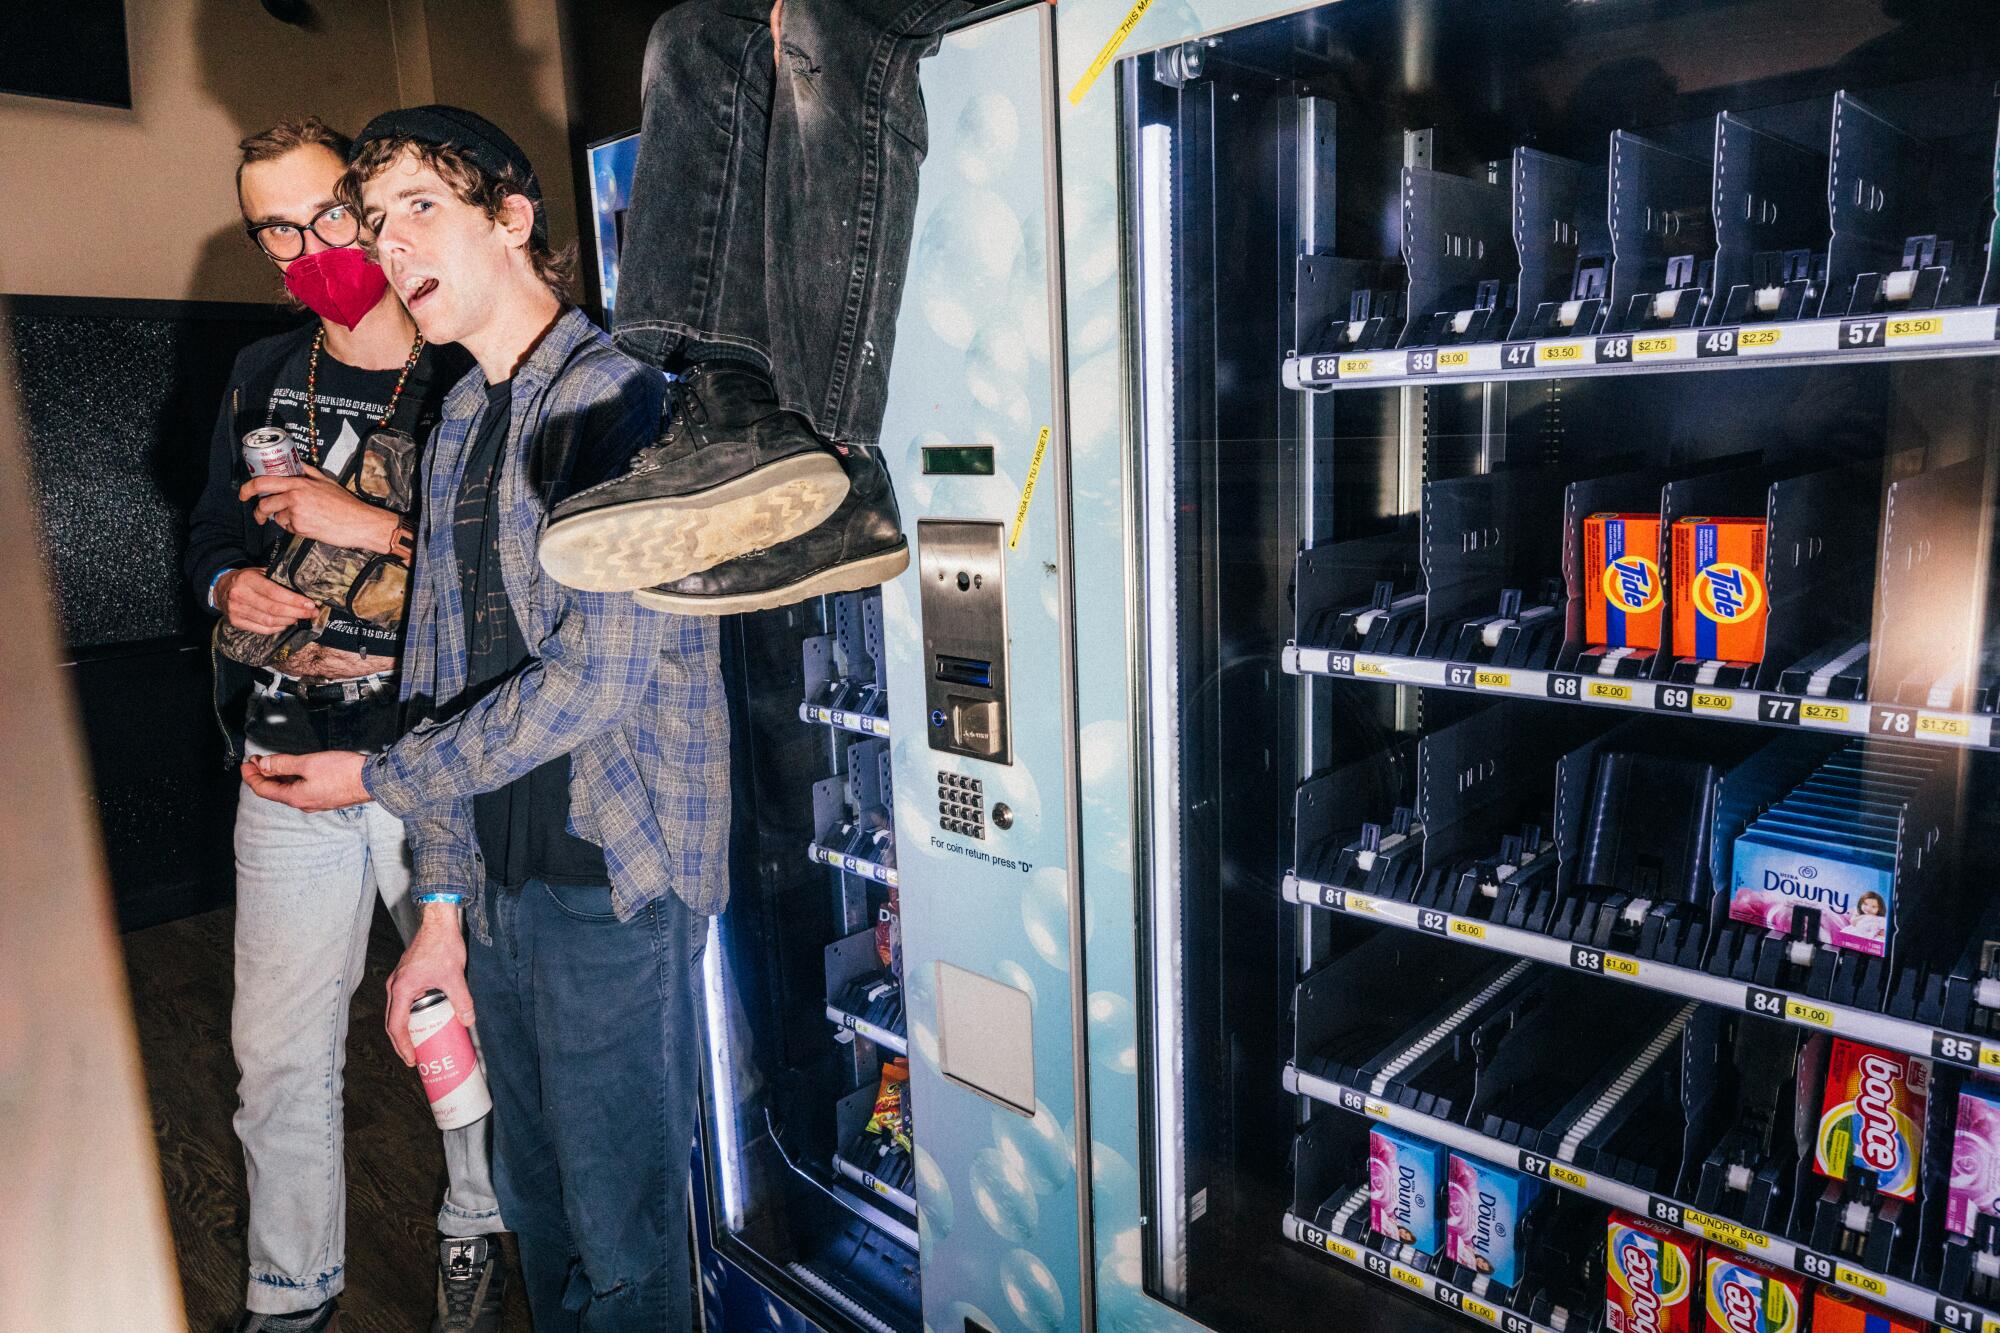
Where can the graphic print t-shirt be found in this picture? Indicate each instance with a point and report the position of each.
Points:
(349, 403)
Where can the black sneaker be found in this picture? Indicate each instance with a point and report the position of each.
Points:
(472, 1284)
(734, 473)
(860, 546)
(323, 1319)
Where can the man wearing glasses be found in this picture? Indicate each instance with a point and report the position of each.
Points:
(357, 390)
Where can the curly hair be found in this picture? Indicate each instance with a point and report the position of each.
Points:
(471, 184)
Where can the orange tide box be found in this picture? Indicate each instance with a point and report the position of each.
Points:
(1719, 600)
(1624, 599)
(1837, 1312)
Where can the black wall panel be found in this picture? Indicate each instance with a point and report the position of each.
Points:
(119, 399)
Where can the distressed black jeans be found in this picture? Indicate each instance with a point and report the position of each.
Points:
(772, 207)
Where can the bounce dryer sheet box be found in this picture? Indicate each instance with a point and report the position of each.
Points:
(1837, 1312)
(1774, 872)
(1651, 1277)
(1719, 601)
(1975, 1159)
(1405, 1174)
(1872, 1116)
(1482, 1230)
(1624, 598)
(1744, 1296)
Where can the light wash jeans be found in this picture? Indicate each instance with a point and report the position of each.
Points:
(305, 892)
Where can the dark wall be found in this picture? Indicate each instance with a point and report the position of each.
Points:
(120, 398)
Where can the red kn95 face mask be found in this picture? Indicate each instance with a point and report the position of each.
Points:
(342, 284)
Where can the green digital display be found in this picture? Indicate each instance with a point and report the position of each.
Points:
(958, 460)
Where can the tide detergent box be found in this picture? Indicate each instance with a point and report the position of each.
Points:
(1719, 601)
(1773, 873)
(1404, 1175)
(1744, 1296)
(1624, 597)
(1482, 1226)
(1975, 1160)
(1651, 1275)
(1872, 1116)
(1837, 1312)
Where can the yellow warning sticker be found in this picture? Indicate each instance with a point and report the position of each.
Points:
(1028, 491)
(1109, 50)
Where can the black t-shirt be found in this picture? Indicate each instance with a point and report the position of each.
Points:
(349, 404)
(523, 828)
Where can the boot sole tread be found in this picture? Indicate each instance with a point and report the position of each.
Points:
(851, 576)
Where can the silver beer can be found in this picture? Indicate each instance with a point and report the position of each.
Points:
(268, 451)
(447, 1062)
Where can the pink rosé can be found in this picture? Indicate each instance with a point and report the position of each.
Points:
(447, 1062)
(268, 451)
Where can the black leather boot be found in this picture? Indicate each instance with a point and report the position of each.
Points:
(734, 473)
(860, 546)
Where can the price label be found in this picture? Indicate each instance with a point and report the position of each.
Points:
(1856, 334)
(1760, 337)
(1358, 902)
(1410, 1278)
(1957, 1050)
(1334, 1245)
(1568, 1175)
(1989, 1055)
(1624, 967)
(1664, 1210)
(1815, 1266)
(1948, 728)
(1825, 714)
(1860, 1281)
(1950, 1314)
(1887, 721)
(1673, 699)
(1430, 922)
(1768, 1003)
(1716, 342)
(1708, 701)
(1657, 345)
(1340, 664)
(869, 1180)
(1564, 687)
(1614, 690)
(1469, 930)
(1927, 326)
(1777, 708)
(1460, 677)
(1457, 360)
(1356, 365)
(1377, 669)
(1517, 356)
(1586, 960)
(1560, 354)
(1725, 1232)
(1380, 1110)
(1479, 1309)
(1801, 1012)
(1422, 361)
(1493, 680)
(1611, 351)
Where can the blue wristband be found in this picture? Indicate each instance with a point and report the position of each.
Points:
(440, 896)
(211, 585)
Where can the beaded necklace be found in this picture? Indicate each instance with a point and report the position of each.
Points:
(312, 391)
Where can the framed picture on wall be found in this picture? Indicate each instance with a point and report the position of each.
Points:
(611, 165)
(69, 50)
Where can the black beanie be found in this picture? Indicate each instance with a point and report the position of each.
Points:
(471, 134)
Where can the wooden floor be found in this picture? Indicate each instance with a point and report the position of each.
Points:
(180, 978)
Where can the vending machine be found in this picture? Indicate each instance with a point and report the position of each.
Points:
(1440, 731)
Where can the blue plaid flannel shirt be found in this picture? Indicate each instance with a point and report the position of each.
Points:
(633, 696)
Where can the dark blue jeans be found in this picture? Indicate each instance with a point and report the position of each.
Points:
(772, 209)
(590, 1032)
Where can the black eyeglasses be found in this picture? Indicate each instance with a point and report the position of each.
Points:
(286, 241)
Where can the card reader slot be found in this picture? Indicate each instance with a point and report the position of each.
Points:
(971, 671)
